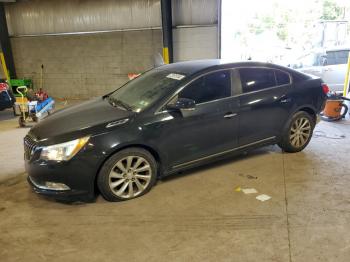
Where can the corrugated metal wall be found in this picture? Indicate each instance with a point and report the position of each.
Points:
(38, 17)
(87, 65)
(195, 12)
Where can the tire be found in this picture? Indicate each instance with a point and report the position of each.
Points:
(14, 110)
(21, 121)
(114, 181)
(35, 119)
(297, 133)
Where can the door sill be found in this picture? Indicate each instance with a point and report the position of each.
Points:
(223, 152)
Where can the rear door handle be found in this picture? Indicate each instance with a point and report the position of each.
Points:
(286, 100)
(229, 115)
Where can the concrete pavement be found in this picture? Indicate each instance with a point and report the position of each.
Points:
(198, 215)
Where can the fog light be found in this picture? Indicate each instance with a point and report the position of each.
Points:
(56, 186)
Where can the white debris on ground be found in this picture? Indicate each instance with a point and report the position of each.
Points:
(263, 197)
(249, 190)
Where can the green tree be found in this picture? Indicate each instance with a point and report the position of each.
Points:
(331, 11)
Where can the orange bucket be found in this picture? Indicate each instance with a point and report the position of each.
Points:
(333, 108)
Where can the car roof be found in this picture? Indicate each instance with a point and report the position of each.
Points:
(196, 66)
(328, 49)
(338, 48)
(190, 67)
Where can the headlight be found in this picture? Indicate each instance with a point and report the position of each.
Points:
(64, 151)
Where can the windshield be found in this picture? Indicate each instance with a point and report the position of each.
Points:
(144, 90)
(309, 60)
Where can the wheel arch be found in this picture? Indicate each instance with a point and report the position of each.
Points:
(150, 149)
(310, 110)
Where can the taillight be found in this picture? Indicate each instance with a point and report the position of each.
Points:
(325, 88)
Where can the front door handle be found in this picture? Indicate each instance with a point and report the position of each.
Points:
(229, 115)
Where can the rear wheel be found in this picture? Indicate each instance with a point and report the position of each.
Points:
(127, 174)
(298, 132)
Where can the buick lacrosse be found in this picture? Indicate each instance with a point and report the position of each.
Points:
(170, 118)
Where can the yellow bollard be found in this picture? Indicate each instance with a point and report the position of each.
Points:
(166, 55)
(346, 83)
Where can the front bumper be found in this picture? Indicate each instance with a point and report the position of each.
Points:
(75, 179)
(63, 195)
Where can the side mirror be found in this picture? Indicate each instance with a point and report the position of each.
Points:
(182, 104)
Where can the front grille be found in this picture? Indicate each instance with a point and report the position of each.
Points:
(29, 147)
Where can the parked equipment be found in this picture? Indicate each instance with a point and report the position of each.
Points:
(6, 96)
(15, 83)
(35, 107)
(335, 108)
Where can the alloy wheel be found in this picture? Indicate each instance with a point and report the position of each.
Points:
(300, 132)
(130, 176)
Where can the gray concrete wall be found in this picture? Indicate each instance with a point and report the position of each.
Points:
(83, 66)
(195, 43)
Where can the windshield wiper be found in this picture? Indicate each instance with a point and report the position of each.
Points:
(115, 102)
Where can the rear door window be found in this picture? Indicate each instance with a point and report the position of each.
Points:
(282, 78)
(337, 57)
(210, 87)
(255, 79)
(309, 60)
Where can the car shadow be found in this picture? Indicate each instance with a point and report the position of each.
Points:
(226, 160)
(6, 114)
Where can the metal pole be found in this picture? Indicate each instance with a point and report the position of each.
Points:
(167, 27)
(219, 26)
(41, 77)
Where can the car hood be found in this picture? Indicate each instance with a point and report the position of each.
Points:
(87, 118)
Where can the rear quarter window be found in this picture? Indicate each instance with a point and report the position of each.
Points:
(282, 78)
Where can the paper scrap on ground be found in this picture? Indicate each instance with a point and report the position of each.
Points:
(249, 190)
(263, 197)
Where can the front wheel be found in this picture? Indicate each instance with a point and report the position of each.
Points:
(127, 174)
(298, 132)
(35, 118)
(14, 110)
(21, 121)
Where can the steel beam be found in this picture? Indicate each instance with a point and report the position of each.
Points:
(167, 27)
(5, 43)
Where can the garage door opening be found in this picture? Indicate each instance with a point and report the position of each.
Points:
(282, 31)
